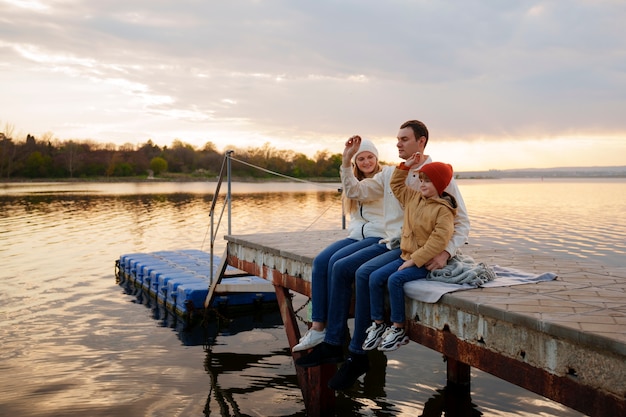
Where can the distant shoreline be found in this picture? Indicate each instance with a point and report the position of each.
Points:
(547, 173)
(162, 179)
(563, 172)
(267, 180)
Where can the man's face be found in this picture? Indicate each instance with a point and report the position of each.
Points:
(407, 143)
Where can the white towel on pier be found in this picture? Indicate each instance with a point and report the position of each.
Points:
(462, 273)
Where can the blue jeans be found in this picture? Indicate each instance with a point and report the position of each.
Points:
(341, 283)
(322, 272)
(389, 276)
(362, 317)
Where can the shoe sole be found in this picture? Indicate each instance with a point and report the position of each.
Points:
(374, 346)
(404, 341)
(306, 347)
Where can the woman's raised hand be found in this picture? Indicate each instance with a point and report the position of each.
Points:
(352, 147)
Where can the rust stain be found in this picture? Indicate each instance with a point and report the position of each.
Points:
(563, 389)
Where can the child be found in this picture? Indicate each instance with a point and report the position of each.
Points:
(427, 228)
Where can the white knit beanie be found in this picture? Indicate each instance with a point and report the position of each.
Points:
(366, 145)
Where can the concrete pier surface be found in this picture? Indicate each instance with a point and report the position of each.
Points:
(564, 339)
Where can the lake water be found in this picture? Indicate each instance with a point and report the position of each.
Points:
(74, 343)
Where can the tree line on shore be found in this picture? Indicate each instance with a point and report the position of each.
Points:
(48, 158)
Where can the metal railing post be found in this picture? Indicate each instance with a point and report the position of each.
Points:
(211, 215)
(226, 163)
(343, 210)
(228, 195)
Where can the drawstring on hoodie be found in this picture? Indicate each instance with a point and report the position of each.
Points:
(364, 223)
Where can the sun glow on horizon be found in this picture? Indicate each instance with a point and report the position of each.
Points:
(522, 154)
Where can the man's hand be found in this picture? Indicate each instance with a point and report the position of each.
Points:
(438, 261)
(352, 147)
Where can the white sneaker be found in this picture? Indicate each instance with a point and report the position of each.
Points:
(374, 336)
(393, 338)
(310, 339)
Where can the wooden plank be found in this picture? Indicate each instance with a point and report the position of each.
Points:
(235, 273)
(235, 288)
(216, 279)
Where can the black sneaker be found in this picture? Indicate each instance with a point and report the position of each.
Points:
(355, 366)
(322, 353)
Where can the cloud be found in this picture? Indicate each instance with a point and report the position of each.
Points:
(308, 74)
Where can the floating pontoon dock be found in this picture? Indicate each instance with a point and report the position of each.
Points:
(180, 280)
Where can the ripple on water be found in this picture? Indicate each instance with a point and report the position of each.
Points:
(72, 342)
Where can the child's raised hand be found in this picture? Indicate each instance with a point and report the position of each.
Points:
(413, 159)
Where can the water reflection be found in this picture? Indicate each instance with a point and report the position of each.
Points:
(582, 218)
(451, 401)
(367, 397)
(204, 330)
(73, 342)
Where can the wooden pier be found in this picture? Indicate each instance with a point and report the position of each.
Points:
(562, 339)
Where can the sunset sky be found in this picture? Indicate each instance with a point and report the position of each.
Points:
(500, 84)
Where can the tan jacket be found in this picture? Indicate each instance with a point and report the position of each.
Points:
(428, 222)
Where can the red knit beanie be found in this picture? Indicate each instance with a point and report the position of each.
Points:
(440, 174)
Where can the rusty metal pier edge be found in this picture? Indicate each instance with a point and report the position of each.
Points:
(460, 357)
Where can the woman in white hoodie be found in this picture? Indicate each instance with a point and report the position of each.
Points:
(366, 228)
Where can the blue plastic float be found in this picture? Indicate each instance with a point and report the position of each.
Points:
(180, 279)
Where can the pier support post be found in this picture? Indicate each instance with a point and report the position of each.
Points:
(458, 373)
(319, 400)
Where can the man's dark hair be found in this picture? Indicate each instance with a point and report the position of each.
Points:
(419, 129)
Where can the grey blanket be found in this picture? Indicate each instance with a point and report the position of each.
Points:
(462, 269)
(473, 275)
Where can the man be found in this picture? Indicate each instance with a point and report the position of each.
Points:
(411, 140)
